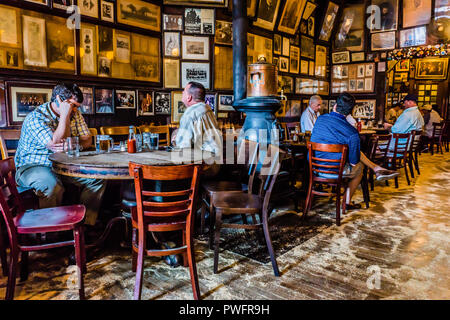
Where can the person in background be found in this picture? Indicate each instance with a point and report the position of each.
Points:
(394, 112)
(410, 119)
(432, 117)
(311, 113)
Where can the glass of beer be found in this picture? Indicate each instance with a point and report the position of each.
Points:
(154, 141)
(72, 146)
(104, 143)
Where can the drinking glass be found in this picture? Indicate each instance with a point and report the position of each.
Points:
(154, 141)
(72, 146)
(104, 143)
(138, 143)
(146, 139)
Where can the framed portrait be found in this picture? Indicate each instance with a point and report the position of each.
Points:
(145, 103)
(173, 22)
(195, 71)
(309, 9)
(251, 8)
(286, 46)
(283, 64)
(413, 37)
(125, 99)
(223, 68)
(104, 100)
(62, 4)
(285, 84)
(200, 21)
(304, 86)
(195, 48)
(171, 73)
(341, 57)
(311, 26)
(328, 21)
(43, 2)
(211, 101)
(275, 61)
(402, 66)
(258, 46)
(226, 102)
(388, 15)
(24, 99)
(358, 56)
(105, 39)
(202, 3)
(361, 70)
(139, 14)
(416, 13)
(369, 69)
(360, 85)
(304, 26)
(60, 44)
(88, 50)
(172, 44)
(276, 44)
(11, 58)
(307, 47)
(161, 103)
(352, 85)
(87, 107)
(293, 108)
(383, 41)
(10, 26)
(432, 68)
(267, 14)
(304, 66)
(294, 62)
(224, 32)
(107, 10)
(88, 8)
(178, 107)
(104, 67)
(291, 15)
(34, 42)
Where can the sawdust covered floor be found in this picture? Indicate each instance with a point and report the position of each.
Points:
(397, 249)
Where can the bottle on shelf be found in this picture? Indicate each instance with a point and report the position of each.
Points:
(131, 143)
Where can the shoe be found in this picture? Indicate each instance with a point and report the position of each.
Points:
(172, 260)
(383, 175)
(352, 206)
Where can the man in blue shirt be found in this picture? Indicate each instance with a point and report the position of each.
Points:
(333, 128)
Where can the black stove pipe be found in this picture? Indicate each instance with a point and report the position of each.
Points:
(240, 27)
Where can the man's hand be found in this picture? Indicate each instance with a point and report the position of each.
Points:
(56, 147)
(387, 126)
(65, 108)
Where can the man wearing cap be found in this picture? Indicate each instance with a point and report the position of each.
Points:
(433, 117)
(393, 113)
(410, 119)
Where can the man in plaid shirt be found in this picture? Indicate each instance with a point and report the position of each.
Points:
(43, 133)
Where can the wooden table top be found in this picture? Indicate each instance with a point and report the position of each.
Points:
(367, 131)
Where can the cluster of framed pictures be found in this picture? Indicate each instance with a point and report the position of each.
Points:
(353, 78)
(394, 97)
(311, 86)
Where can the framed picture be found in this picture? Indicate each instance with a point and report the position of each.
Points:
(304, 26)
(88, 39)
(145, 58)
(383, 41)
(286, 46)
(361, 70)
(381, 67)
(10, 26)
(358, 56)
(402, 65)
(145, 103)
(364, 109)
(258, 47)
(173, 22)
(122, 47)
(276, 44)
(413, 37)
(171, 73)
(294, 64)
(323, 87)
(321, 61)
(291, 15)
(307, 47)
(24, 99)
(304, 66)
(251, 8)
(104, 67)
(388, 11)
(200, 21)
(195, 71)
(60, 45)
(226, 102)
(331, 104)
(341, 57)
(309, 9)
(223, 68)
(43, 2)
(104, 101)
(211, 101)
(285, 84)
(178, 107)
(34, 42)
(311, 26)
(161, 102)
(267, 14)
(369, 69)
(11, 58)
(202, 3)
(416, 13)
(304, 86)
(368, 84)
(283, 64)
(107, 10)
(293, 108)
(352, 85)
(224, 32)
(328, 21)
(172, 44)
(105, 39)
(88, 8)
(360, 85)
(62, 4)
(432, 68)
(87, 107)
(139, 14)
(311, 68)
(125, 99)
(195, 48)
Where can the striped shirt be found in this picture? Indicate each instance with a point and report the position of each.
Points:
(37, 132)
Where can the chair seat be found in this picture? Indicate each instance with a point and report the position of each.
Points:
(218, 186)
(232, 202)
(50, 219)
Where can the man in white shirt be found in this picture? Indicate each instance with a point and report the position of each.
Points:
(433, 118)
(309, 116)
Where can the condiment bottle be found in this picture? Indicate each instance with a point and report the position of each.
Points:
(131, 143)
(359, 125)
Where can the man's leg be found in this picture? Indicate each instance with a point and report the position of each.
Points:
(380, 172)
(45, 183)
(369, 163)
(353, 184)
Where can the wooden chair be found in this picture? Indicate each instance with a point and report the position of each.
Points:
(397, 155)
(93, 132)
(20, 223)
(5, 136)
(164, 140)
(436, 138)
(334, 167)
(248, 203)
(413, 154)
(170, 215)
(118, 131)
(378, 147)
(446, 135)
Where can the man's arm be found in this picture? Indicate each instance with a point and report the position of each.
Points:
(63, 129)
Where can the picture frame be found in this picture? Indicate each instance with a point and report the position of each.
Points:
(285, 84)
(195, 48)
(178, 107)
(223, 68)
(172, 22)
(311, 68)
(195, 71)
(172, 47)
(364, 109)
(161, 103)
(323, 87)
(259, 46)
(402, 65)
(88, 8)
(309, 9)
(104, 66)
(107, 11)
(321, 61)
(413, 37)
(42, 2)
(122, 47)
(361, 70)
(304, 66)
(432, 68)
(291, 16)
(199, 21)
(277, 44)
(125, 99)
(383, 41)
(368, 84)
(104, 100)
(88, 39)
(267, 15)
(294, 60)
(283, 64)
(145, 58)
(311, 25)
(224, 32)
(304, 86)
(105, 39)
(11, 58)
(139, 14)
(251, 8)
(328, 21)
(201, 3)
(171, 73)
(226, 102)
(388, 11)
(358, 56)
(34, 41)
(340, 57)
(416, 13)
(369, 70)
(60, 44)
(24, 98)
(10, 36)
(211, 101)
(286, 47)
(359, 84)
(307, 47)
(87, 106)
(145, 103)
(62, 4)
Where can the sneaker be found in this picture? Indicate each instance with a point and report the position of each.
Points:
(383, 175)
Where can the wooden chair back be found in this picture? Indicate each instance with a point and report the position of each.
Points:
(270, 168)
(326, 165)
(93, 131)
(415, 140)
(400, 143)
(116, 130)
(438, 129)
(248, 157)
(163, 131)
(5, 136)
(382, 147)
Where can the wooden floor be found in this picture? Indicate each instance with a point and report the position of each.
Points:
(404, 238)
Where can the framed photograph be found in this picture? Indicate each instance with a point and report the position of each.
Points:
(195, 48)
(34, 42)
(432, 68)
(340, 57)
(200, 21)
(383, 41)
(211, 101)
(358, 56)
(62, 4)
(294, 64)
(88, 39)
(104, 67)
(323, 87)
(267, 14)
(402, 65)
(388, 10)
(352, 85)
(251, 8)
(88, 8)
(321, 61)
(368, 84)
(309, 9)
(223, 68)
(107, 10)
(283, 64)
(145, 103)
(381, 67)
(195, 71)
(258, 47)
(122, 47)
(171, 73)
(285, 84)
(364, 109)
(10, 26)
(413, 37)
(360, 85)
(304, 27)
(286, 46)
(173, 22)
(328, 21)
(361, 70)
(304, 86)
(369, 69)
(11, 58)
(178, 107)
(104, 100)
(291, 15)
(145, 58)
(139, 14)
(43, 2)
(172, 44)
(24, 100)
(87, 107)
(224, 32)
(311, 26)
(307, 47)
(161, 103)
(125, 99)
(311, 68)
(304, 66)
(105, 39)
(293, 108)
(353, 41)
(60, 45)
(276, 44)
(202, 3)
(226, 102)
(416, 13)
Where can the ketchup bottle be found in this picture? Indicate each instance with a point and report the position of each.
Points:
(131, 143)
(359, 125)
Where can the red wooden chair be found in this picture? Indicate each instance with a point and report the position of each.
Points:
(397, 155)
(170, 215)
(413, 154)
(378, 147)
(20, 223)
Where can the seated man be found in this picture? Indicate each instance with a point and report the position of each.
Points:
(333, 128)
(410, 119)
(43, 133)
(394, 113)
(310, 115)
(432, 116)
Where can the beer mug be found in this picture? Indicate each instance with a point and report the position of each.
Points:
(154, 141)
(72, 146)
(104, 143)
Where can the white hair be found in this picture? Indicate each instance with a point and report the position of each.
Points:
(313, 99)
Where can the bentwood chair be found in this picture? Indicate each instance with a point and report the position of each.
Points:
(10, 137)
(20, 223)
(175, 213)
(436, 138)
(163, 131)
(397, 155)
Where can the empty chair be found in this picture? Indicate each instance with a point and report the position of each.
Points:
(93, 131)
(378, 147)
(397, 155)
(8, 142)
(436, 138)
(413, 154)
(163, 131)
(121, 132)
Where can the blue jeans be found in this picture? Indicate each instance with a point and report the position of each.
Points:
(50, 188)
